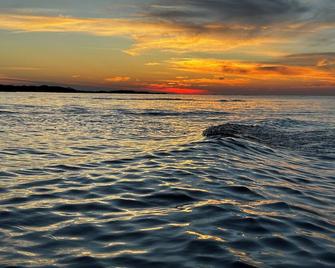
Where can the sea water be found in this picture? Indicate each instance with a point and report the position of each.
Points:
(106, 180)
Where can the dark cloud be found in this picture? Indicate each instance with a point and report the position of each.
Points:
(277, 69)
(321, 60)
(234, 70)
(257, 12)
(300, 24)
(283, 70)
(312, 55)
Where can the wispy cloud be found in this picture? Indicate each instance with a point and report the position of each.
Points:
(325, 59)
(251, 12)
(154, 34)
(152, 64)
(20, 68)
(209, 72)
(117, 79)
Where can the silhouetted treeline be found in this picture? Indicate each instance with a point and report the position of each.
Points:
(56, 89)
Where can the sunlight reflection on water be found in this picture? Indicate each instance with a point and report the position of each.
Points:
(128, 180)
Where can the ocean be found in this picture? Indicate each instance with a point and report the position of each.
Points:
(98, 180)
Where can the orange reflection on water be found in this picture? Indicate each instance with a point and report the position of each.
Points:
(206, 237)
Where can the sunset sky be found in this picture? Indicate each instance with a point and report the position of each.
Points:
(176, 46)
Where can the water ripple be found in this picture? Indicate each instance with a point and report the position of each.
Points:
(122, 186)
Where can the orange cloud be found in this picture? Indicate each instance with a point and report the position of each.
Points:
(152, 64)
(147, 35)
(235, 73)
(325, 63)
(237, 68)
(117, 79)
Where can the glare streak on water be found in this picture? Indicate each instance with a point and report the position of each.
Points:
(129, 181)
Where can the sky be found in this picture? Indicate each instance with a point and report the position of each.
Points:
(175, 46)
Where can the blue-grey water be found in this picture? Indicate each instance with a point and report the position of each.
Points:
(92, 180)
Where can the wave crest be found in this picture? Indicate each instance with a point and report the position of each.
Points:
(316, 140)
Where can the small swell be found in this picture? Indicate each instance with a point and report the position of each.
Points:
(169, 198)
(144, 99)
(235, 100)
(6, 112)
(313, 141)
(162, 113)
(74, 110)
(288, 123)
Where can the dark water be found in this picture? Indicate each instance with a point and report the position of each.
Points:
(129, 181)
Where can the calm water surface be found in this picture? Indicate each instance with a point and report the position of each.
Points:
(91, 180)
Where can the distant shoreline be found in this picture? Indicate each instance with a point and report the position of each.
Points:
(57, 89)
(63, 89)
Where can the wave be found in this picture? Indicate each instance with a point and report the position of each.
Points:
(74, 110)
(154, 112)
(316, 140)
(150, 207)
(6, 112)
(289, 123)
(235, 100)
(145, 99)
